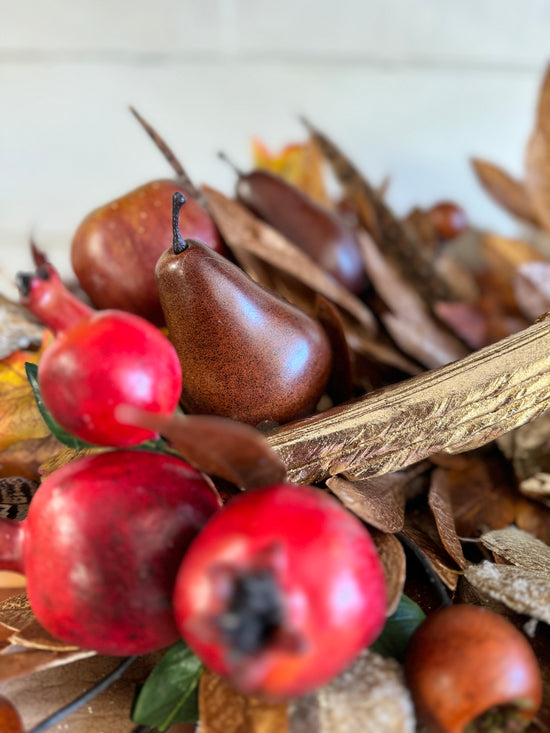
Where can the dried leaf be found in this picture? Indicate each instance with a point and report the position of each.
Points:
(34, 636)
(519, 548)
(15, 612)
(378, 501)
(15, 664)
(467, 320)
(19, 331)
(19, 415)
(534, 518)
(439, 500)
(10, 722)
(410, 323)
(524, 591)
(537, 166)
(216, 445)
(41, 694)
(299, 163)
(222, 710)
(406, 252)
(503, 257)
(421, 530)
(462, 278)
(340, 386)
(482, 494)
(453, 408)
(392, 556)
(528, 447)
(16, 493)
(543, 105)
(243, 231)
(26, 457)
(532, 289)
(505, 190)
(370, 696)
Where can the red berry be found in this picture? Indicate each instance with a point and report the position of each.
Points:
(102, 544)
(465, 660)
(280, 591)
(99, 360)
(449, 219)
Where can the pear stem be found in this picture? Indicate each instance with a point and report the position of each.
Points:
(230, 163)
(179, 244)
(170, 156)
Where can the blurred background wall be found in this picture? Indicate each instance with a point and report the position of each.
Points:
(408, 88)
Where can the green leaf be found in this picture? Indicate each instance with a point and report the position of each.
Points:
(399, 628)
(57, 431)
(169, 694)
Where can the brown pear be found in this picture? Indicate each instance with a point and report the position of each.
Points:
(245, 352)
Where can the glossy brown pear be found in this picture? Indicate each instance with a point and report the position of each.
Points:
(245, 353)
(313, 228)
(115, 249)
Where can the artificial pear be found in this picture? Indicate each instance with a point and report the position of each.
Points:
(245, 352)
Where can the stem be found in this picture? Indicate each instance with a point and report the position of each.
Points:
(230, 163)
(179, 244)
(43, 293)
(168, 153)
(73, 706)
(12, 534)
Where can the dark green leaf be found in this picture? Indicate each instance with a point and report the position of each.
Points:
(399, 628)
(56, 429)
(169, 694)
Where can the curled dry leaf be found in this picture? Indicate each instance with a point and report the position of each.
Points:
(243, 231)
(505, 190)
(34, 636)
(439, 500)
(378, 501)
(503, 257)
(392, 556)
(15, 612)
(10, 722)
(421, 530)
(14, 664)
(19, 331)
(528, 447)
(537, 181)
(524, 591)
(26, 457)
(216, 445)
(543, 104)
(532, 289)
(456, 407)
(409, 321)
(537, 487)
(340, 385)
(370, 696)
(519, 548)
(222, 710)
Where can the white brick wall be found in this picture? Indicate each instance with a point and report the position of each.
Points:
(412, 88)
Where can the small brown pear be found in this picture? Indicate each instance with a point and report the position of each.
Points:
(245, 352)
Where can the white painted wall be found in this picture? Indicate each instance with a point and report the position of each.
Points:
(410, 88)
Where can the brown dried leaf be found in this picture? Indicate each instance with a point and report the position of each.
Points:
(64, 455)
(340, 386)
(23, 663)
(439, 500)
(537, 181)
(25, 458)
(15, 612)
(410, 323)
(467, 320)
(482, 495)
(378, 501)
(524, 591)
(406, 252)
(456, 407)
(392, 556)
(519, 548)
(505, 190)
(421, 225)
(222, 710)
(216, 445)
(370, 696)
(532, 289)
(534, 518)
(543, 105)
(503, 257)
(39, 695)
(463, 279)
(19, 330)
(34, 636)
(243, 231)
(10, 722)
(421, 530)
(16, 493)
